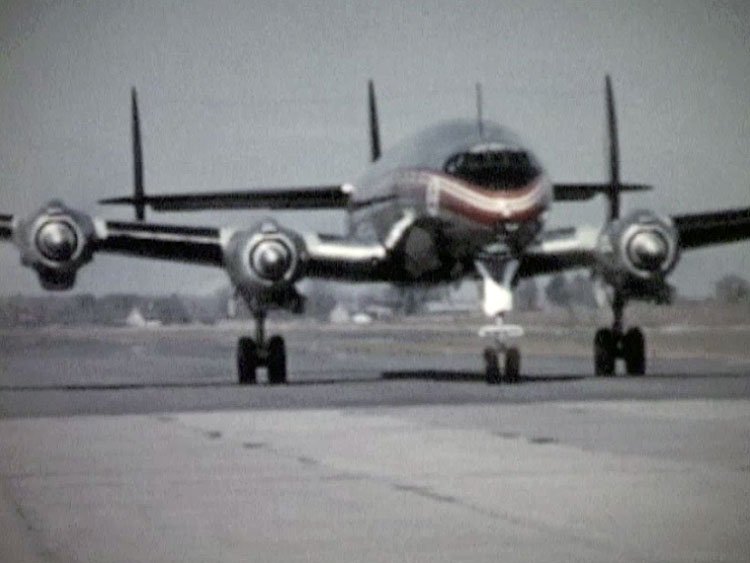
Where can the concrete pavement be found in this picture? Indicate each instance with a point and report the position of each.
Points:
(559, 481)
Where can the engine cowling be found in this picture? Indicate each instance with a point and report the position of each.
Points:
(637, 252)
(264, 262)
(56, 242)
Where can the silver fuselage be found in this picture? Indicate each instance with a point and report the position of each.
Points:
(452, 213)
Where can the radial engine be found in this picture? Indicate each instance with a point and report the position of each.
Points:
(264, 262)
(56, 242)
(636, 254)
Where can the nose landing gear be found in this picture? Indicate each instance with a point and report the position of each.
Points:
(255, 353)
(512, 356)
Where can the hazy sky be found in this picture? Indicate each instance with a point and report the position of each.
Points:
(235, 94)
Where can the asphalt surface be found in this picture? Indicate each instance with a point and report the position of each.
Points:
(68, 372)
(386, 445)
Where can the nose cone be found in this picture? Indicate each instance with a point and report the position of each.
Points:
(57, 241)
(648, 250)
(271, 260)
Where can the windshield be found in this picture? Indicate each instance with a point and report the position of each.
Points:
(504, 169)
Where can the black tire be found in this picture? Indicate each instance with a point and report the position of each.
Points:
(512, 365)
(276, 361)
(247, 361)
(634, 351)
(491, 366)
(605, 349)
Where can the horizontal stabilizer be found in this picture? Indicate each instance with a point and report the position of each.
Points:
(6, 226)
(581, 192)
(319, 197)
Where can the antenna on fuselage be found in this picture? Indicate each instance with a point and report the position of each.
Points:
(480, 124)
(374, 127)
(138, 190)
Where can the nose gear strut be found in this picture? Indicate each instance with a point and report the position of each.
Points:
(499, 277)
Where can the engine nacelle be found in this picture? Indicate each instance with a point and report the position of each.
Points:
(637, 252)
(56, 242)
(264, 263)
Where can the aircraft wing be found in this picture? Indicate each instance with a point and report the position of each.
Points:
(717, 227)
(57, 241)
(194, 245)
(559, 250)
(315, 197)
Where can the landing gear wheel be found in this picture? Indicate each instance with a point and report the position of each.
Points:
(512, 365)
(276, 361)
(491, 366)
(247, 360)
(634, 351)
(605, 352)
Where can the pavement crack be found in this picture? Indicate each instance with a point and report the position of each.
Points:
(254, 445)
(542, 440)
(507, 435)
(304, 460)
(425, 492)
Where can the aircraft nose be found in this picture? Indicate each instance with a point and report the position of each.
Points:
(648, 250)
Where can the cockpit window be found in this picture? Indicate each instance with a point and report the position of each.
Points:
(497, 169)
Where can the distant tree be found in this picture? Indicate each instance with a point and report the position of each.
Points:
(320, 300)
(581, 291)
(557, 291)
(170, 310)
(526, 295)
(732, 289)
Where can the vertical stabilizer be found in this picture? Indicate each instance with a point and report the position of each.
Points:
(138, 191)
(374, 127)
(614, 152)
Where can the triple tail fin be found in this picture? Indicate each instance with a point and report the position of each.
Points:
(613, 188)
(139, 196)
(614, 152)
(374, 126)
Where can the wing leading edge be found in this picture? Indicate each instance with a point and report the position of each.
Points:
(193, 245)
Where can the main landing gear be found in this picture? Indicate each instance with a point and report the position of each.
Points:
(611, 344)
(501, 333)
(255, 353)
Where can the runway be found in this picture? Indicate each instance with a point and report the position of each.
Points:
(120, 445)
